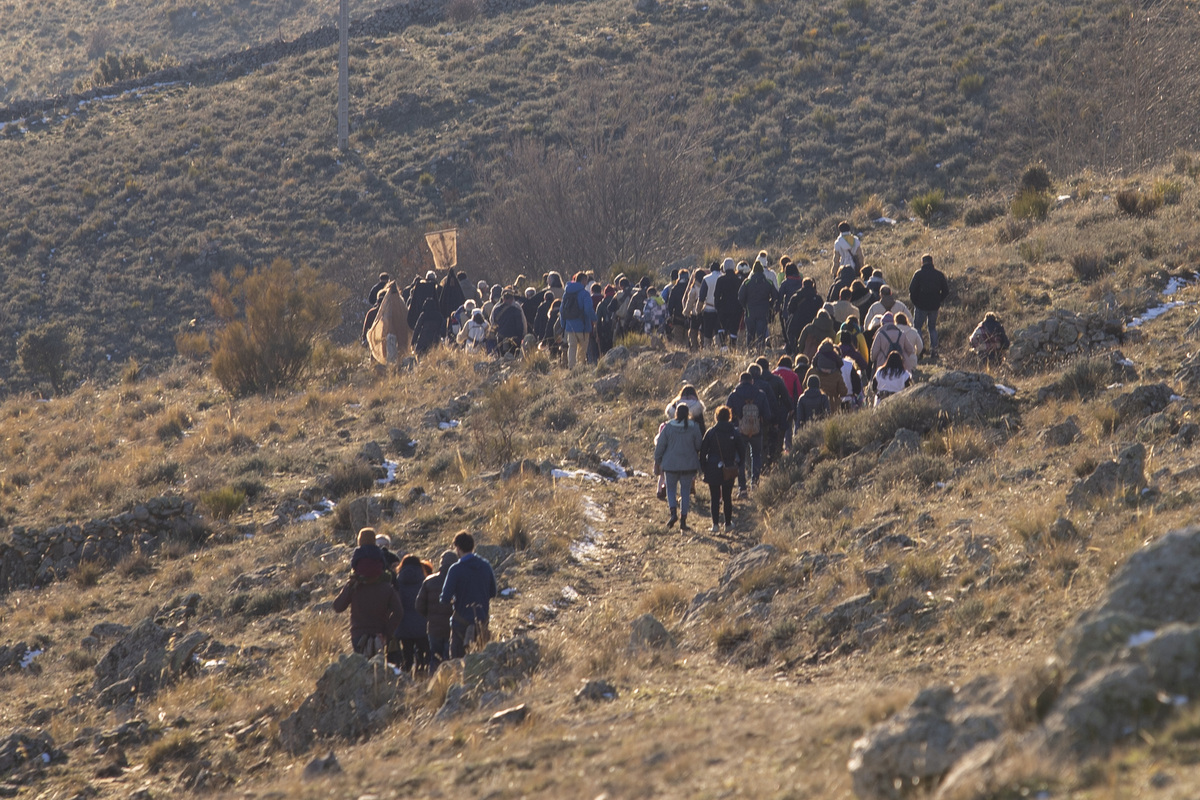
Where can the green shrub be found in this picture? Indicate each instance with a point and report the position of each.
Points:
(165, 471)
(223, 503)
(274, 317)
(1167, 192)
(983, 213)
(928, 205)
(116, 67)
(1031, 204)
(970, 85)
(46, 352)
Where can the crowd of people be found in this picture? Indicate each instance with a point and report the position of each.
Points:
(729, 305)
(418, 618)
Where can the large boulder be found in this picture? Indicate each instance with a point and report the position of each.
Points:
(27, 746)
(965, 396)
(352, 699)
(146, 660)
(1127, 473)
(1122, 668)
(920, 744)
(1142, 402)
(484, 675)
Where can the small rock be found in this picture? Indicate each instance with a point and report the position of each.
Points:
(1062, 434)
(372, 453)
(509, 716)
(903, 443)
(649, 634)
(322, 766)
(596, 690)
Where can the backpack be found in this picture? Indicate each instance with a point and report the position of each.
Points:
(751, 423)
(893, 346)
(571, 308)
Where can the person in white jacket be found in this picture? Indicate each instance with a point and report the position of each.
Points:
(887, 302)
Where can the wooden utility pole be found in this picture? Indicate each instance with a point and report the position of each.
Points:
(344, 76)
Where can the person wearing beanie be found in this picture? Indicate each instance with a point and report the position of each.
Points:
(813, 404)
(927, 290)
(847, 250)
(887, 302)
(889, 339)
(436, 613)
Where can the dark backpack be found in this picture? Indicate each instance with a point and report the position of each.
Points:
(893, 346)
(571, 309)
(751, 423)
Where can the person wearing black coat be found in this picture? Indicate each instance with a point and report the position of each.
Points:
(420, 292)
(729, 310)
(450, 294)
(430, 329)
(802, 309)
(412, 632)
(722, 452)
(377, 289)
(928, 289)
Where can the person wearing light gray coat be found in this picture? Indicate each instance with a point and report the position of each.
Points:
(677, 455)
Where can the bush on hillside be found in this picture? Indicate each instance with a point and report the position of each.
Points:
(929, 205)
(1031, 204)
(116, 67)
(274, 317)
(45, 353)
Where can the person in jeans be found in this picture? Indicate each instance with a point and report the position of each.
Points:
(470, 586)
(677, 454)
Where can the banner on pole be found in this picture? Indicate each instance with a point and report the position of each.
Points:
(444, 246)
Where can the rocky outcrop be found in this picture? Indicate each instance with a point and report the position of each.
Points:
(483, 678)
(352, 699)
(35, 557)
(146, 660)
(1127, 474)
(22, 747)
(964, 396)
(1063, 333)
(1123, 667)
(1142, 402)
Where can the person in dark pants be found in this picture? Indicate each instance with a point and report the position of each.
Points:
(470, 586)
(721, 452)
(928, 290)
(412, 633)
(375, 611)
(436, 613)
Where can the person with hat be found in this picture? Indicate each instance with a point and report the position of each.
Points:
(928, 289)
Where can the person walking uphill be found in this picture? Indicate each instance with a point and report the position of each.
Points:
(412, 631)
(677, 454)
(375, 612)
(722, 452)
(577, 315)
(470, 586)
(928, 289)
(757, 296)
(436, 613)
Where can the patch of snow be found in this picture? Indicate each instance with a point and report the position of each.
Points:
(321, 509)
(45, 758)
(354, 405)
(1175, 283)
(1153, 313)
(1116, 385)
(391, 474)
(940, 484)
(570, 595)
(29, 656)
(1005, 390)
(617, 469)
(886, 221)
(445, 426)
(1125, 362)
(215, 663)
(1176, 398)
(1141, 637)
(509, 592)
(576, 473)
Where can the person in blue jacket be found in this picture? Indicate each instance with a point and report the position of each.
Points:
(470, 586)
(578, 315)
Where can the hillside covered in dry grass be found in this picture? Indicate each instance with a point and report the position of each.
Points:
(764, 122)
(897, 550)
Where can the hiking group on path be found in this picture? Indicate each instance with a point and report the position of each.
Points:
(730, 305)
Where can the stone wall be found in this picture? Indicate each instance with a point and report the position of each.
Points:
(1063, 334)
(35, 557)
